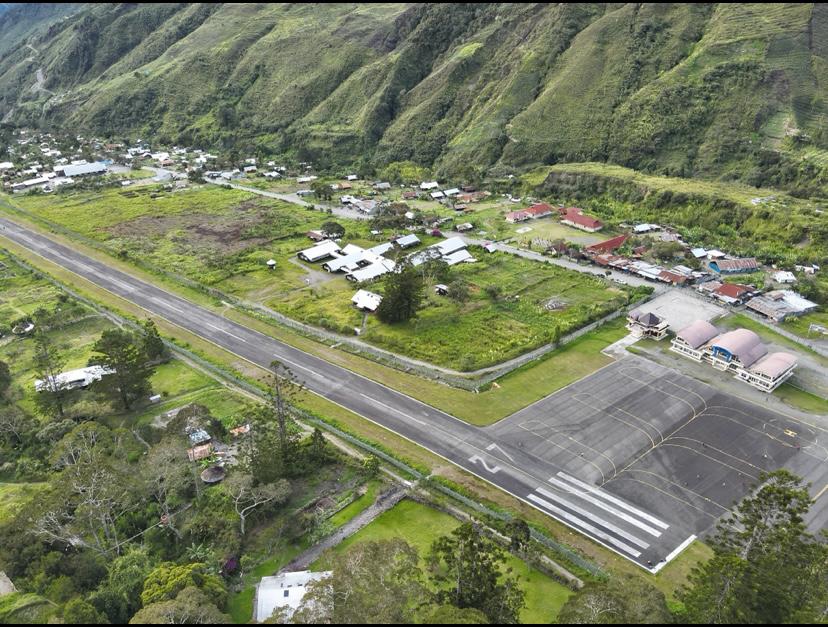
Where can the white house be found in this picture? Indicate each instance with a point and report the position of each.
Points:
(322, 250)
(366, 301)
(73, 379)
(285, 590)
(425, 186)
(784, 277)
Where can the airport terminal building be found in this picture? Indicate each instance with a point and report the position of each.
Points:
(739, 351)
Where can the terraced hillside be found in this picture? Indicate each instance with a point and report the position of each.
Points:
(727, 91)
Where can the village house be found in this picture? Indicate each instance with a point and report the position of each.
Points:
(366, 301)
(575, 218)
(284, 590)
(323, 250)
(73, 379)
(733, 266)
(779, 305)
(608, 246)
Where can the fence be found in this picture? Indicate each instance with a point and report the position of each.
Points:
(465, 381)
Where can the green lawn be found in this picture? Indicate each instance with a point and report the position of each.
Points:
(801, 399)
(358, 506)
(14, 495)
(801, 325)
(420, 526)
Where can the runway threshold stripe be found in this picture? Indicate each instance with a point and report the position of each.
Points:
(596, 519)
(608, 497)
(607, 508)
(582, 525)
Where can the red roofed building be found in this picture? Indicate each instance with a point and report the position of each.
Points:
(539, 210)
(732, 293)
(672, 277)
(574, 217)
(517, 216)
(608, 246)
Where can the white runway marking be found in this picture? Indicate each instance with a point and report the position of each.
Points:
(577, 522)
(607, 508)
(598, 521)
(607, 497)
(388, 407)
(212, 326)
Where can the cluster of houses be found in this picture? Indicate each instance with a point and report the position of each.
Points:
(776, 305)
(571, 216)
(740, 352)
(363, 265)
(204, 447)
(36, 162)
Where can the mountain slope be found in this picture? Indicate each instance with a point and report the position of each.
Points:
(713, 90)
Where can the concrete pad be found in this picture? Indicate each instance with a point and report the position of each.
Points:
(681, 309)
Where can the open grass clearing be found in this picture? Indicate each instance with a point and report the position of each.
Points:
(420, 526)
(229, 251)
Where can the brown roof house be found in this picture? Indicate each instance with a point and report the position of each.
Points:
(648, 325)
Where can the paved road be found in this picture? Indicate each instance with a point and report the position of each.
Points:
(505, 465)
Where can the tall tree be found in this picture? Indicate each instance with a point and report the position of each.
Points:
(467, 568)
(153, 345)
(5, 377)
(248, 497)
(377, 582)
(618, 601)
(766, 567)
(48, 364)
(120, 352)
(80, 612)
(191, 606)
(403, 294)
(271, 449)
(167, 580)
(333, 229)
(167, 478)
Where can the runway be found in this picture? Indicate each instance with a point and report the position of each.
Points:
(587, 472)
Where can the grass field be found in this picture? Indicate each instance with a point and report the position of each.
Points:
(537, 303)
(420, 526)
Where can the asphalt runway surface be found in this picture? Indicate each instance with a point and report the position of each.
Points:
(621, 456)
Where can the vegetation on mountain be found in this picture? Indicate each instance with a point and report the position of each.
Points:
(718, 91)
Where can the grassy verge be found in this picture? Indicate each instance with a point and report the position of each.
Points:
(801, 399)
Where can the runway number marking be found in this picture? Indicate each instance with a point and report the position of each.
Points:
(474, 459)
(790, 434)
(494, 446)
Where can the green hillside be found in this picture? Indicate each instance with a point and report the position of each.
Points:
(721, 91)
